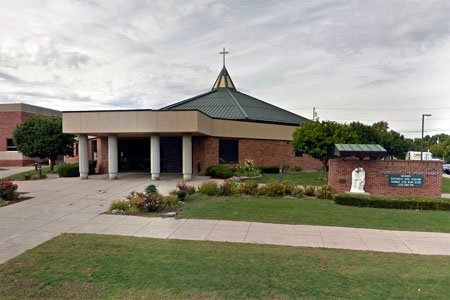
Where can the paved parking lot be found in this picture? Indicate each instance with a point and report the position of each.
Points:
(74, 205)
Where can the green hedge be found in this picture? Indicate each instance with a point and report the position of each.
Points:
(72, 170)
(398, 202)
(219, 172)
(269, 169)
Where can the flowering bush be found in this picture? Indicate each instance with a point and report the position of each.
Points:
(225, 189)
(8, 190)
(183, 190)
(247, 168)
(250, 187)
(150, 202)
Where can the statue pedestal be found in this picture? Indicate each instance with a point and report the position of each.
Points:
(358, 193)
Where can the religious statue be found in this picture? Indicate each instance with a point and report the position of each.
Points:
(358, 180)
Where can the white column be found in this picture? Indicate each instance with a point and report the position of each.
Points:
(187, 157)
(113, 156)
(155, 158)
(83, 156)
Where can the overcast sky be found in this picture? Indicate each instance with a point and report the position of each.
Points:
(352, 60)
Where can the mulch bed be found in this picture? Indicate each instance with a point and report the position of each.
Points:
(19, 199)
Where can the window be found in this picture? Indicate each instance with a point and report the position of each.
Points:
(94, 149)
(75, 149)
(228, 151)
(298, 154)
(10, 145)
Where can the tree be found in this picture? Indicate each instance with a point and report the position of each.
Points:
(366, 134)
(395, 144)
(318, 139)
(43, 137)
(381, 126)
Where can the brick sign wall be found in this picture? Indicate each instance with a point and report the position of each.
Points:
(389, 177)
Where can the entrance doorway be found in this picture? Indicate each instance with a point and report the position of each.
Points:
(134, 155)
(171, 154)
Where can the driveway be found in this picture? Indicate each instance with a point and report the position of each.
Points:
(8, 171)
(74, 205)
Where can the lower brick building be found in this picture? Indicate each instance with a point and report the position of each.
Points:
(221, 127)
(12, 114)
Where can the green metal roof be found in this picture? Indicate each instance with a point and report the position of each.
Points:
(359, 150)
(225, 102)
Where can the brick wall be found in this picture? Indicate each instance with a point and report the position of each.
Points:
(263, 152)
(8, 122)
(102, 154)
(377, 177)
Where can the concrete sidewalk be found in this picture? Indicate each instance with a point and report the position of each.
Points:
(73, 205)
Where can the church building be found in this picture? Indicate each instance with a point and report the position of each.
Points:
(220, 127)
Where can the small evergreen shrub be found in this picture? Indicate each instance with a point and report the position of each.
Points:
(285, 167)
(274, 189)
(222, 172)
(151, 189)
(288, 187)
(8, 190)
(297, 192)
(394, 202)
(69, 170)
(310, 191)
(209, 188)
(269, 169)
(325, 192)
(298, 169)
(247, 169)
(249, 187)
(171, 202)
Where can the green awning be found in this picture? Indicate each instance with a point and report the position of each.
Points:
(360, 150)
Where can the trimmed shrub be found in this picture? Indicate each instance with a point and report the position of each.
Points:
(395, 202)
(209, 188)
(297, 192)
(274, 189)
(219, 172)
(249, 187)
(69, 170)
(325, 192)
(288, 187)
(261, 190)
(151, 189)
(298, 169)
(269, 169)
(8, 190)
(310, 191)
(171, 202)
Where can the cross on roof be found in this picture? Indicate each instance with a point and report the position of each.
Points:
(224, 53)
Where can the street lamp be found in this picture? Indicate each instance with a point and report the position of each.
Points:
(421, 143)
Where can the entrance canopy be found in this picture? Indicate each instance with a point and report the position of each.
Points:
(360, 150)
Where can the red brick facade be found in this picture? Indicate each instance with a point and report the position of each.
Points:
(102, 154)
(262, 152)
(377, 176)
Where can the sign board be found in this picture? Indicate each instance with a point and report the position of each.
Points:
(400, 180)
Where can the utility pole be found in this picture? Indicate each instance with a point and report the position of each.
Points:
(423, 125)
(314, 114)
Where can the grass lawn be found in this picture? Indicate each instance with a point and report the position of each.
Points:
(298, 178)
(313, 211)
(114, 267)
(21, 176)
(445, 185)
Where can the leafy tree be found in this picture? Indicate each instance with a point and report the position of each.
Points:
(42, 137)
(395, 144)
(366, 134)
(318, 139)
(381, 126)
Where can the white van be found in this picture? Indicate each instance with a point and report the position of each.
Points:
(415, 155)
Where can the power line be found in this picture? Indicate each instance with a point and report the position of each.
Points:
(387, 120)
(374, 109)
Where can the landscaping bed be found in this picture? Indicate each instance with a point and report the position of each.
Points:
(9, 194)
(29, 175)
(116, 267)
